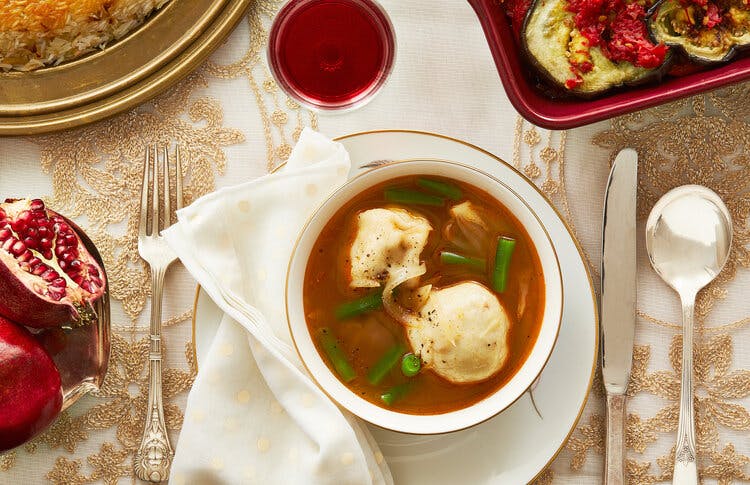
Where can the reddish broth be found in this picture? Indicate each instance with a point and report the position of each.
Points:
(366, 338)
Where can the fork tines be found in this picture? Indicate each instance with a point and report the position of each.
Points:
(156, 171)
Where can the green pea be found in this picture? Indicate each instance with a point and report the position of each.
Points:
(411, 365)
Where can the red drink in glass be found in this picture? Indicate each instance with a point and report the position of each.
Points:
(331, 54)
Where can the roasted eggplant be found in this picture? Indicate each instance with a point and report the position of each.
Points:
(621, 52)
(708, 32)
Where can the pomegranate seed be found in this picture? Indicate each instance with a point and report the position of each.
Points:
(44, 232)
(37, 204)
(30, 243)
(25, 257)
(33, 262)
(59, 250)
(78, 278)
(9, 243)
(59, 282)
(32, 224)
(22, 221)
(45, 243)
(90, 286)
(56, 293)
(50, 275)
(47, 254)
(76, 265)
(96, 280)
(93, 271)
(67, 257)
(71, 240)
(63, 228)
(32, 232)
(42, 268)
(18, 225)
(63, 265)
(5, 234)
(18, 248)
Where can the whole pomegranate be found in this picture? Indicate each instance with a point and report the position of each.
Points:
(47, 277)
(30, 390)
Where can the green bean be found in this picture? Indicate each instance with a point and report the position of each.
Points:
(367, 303)
(411, 365)
(385, 364)
(504, 251)
(407, 196)
(336, 355)
(447, 257)
(395, 393)
(441, 188)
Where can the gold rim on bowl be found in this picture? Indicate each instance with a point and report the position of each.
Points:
(557, 277)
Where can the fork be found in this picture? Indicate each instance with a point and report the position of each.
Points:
(154, 456)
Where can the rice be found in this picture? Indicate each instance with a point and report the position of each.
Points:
(39, 33)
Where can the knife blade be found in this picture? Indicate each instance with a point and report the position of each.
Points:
(618, 302)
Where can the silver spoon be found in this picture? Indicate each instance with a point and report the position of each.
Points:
(688, 235)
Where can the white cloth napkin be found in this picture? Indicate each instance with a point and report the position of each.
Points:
(254, 415)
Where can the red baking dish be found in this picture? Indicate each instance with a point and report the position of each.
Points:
(560, 114)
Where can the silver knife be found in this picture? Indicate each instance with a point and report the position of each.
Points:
(618, 300)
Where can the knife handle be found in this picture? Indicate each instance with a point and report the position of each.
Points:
(614, 473)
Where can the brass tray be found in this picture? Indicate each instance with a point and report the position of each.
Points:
(130, 71)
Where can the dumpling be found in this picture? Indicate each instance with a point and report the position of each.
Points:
(467, 227)
(461, 332)
(386, 240)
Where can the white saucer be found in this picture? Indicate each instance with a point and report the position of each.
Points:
(516, 445)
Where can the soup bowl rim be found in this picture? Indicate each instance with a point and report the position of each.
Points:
(429, 423)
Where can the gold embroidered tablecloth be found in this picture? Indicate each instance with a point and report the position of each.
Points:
(235, 124)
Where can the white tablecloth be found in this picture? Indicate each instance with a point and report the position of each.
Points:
(237, 125)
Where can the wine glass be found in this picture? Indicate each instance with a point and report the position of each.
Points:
(331, 54)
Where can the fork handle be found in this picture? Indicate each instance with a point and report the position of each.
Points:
(154, 456)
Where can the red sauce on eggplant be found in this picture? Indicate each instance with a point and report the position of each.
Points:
(619, 29)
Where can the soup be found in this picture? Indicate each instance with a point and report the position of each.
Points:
(424, 295)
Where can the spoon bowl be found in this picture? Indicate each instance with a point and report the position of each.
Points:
(688, 237)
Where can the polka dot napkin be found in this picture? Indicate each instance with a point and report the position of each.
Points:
(254, 415)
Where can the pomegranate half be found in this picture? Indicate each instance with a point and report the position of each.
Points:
(30, 389)
(47, 277)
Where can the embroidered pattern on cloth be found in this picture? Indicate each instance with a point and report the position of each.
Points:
(96, 173)
(702, 139)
